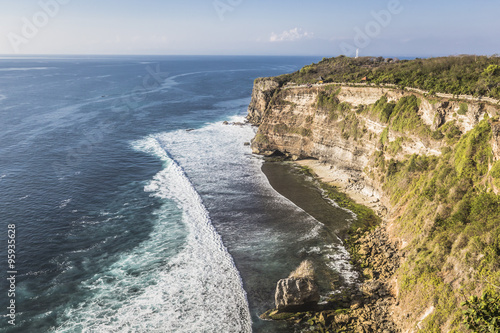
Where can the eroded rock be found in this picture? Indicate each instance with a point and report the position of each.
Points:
(295, 293)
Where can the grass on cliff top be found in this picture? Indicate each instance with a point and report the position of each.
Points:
(459, 75)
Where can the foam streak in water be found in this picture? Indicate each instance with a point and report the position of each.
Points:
(197, 290)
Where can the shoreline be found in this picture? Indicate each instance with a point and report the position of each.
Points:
(369, 304)
(347, 184)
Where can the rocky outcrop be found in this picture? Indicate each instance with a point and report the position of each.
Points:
(379, 256)
(380, 259)
(294, 293)
(495, 140)
(262, 93)
(367, 307)
(299, 290)
(367, 95)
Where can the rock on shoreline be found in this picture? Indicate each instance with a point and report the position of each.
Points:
(293, 293)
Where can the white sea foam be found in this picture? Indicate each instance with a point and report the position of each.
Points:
(197, 290)
(340, 260)
(22, 69)
(215, 142)
(64, 203)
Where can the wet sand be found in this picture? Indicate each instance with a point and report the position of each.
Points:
(286, 179)
(340, 180)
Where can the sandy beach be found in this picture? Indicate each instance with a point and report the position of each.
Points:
(342, 180)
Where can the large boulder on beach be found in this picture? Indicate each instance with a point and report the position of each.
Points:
(298, 290)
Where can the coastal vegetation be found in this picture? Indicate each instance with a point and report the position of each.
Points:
(448, 208)
(458, 75)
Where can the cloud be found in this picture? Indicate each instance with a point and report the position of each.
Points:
(290, 35)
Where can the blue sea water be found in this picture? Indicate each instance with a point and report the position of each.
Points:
(135, 208)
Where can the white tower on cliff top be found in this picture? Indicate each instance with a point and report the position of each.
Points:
(357, 53)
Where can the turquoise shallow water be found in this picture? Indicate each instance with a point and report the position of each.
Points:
(126, 221)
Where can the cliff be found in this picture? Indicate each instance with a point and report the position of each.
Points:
(427, 159)
(291, 122)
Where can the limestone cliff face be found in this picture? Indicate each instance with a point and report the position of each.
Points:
(354, 140)
(299, 129)
(262, 94)
(290, 122)
(346, 133)
(495, 140)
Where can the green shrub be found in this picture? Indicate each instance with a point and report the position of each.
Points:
(405, 117)
(483, 314)
(495, 170)
(395, 146)
(473, 152)
(383, 109)
(452, 132)
(492, 70)
(392, 168)
(437, 135)
(384, 136)
(463, 109)
(329, 102)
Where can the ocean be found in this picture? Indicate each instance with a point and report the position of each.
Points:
(133, 207)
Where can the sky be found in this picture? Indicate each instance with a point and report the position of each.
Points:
(404, 28)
